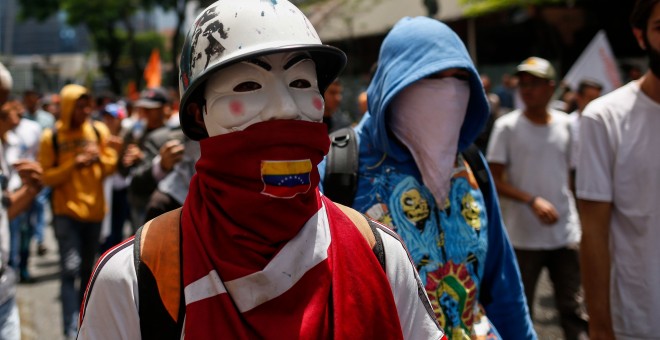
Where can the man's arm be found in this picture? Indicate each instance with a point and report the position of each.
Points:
(21, 200)
(543, 209)
(595, 266)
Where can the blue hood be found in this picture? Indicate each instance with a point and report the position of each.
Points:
(435, 48)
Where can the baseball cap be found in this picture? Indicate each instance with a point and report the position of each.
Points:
(153, 98)
(537, 67)
(115, 110)
(5, 78)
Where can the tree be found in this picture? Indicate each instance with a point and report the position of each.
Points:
(481, 7)
(103, 20)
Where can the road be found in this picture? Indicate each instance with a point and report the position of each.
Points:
(41, 317)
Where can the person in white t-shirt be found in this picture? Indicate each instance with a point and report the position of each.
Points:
(618, 190)
(529, 156)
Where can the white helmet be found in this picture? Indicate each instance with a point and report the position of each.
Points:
(230, 31)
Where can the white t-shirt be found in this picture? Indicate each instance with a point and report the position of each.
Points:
(537, 161)
(620, 163)
(22, 143)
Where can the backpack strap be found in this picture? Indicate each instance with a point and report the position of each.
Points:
(367, 228)
(56, 146)
(157, 257)
(96, 131)
(472, 156)
(341, 167)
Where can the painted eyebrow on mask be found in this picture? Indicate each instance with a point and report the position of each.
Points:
(261, 64)
(296, 60)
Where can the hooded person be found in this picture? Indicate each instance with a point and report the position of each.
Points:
(426, 106)
(256, 252)
(75, 159)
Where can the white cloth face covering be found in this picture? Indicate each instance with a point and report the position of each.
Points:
(275, 86)
(427, 117)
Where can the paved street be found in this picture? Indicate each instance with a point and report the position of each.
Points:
(38, 303)
(41, 318)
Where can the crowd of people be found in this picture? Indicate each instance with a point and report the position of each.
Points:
(232, 202)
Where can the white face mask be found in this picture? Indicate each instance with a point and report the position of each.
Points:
(276, 86)
(427, 117)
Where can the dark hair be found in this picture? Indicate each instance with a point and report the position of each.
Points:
(641, 13)
(33, 92)
(584, 84)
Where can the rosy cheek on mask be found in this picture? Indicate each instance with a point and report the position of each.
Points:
(236, 107)
(318, 103)
(310, 103)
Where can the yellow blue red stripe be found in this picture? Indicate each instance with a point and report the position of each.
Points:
(286, 179)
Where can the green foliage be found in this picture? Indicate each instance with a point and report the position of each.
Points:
(305, 3)
(145, 43)
(38, 9)
(481, 7)
(109, 25)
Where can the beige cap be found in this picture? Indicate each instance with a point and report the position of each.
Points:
(5, 78)
(537, 67)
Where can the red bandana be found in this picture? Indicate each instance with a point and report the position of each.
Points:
(254, 218)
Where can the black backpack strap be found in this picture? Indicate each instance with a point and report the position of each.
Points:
(341, 167)
(56, 146)
(378, 248)
(472, 156)
(96, 132)
(156, 321)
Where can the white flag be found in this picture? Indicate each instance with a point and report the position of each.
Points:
(596, 63)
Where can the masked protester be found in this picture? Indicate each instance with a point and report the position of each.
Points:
(426, 105)
(256, 251)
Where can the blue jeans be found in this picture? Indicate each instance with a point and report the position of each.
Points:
(25, 226)
(20, 234)
(10, 325)
(78, 242)
(38, 214)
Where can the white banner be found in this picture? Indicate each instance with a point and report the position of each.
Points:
(596, 63)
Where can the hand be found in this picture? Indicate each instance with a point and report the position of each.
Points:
(170, 154)
(115, 143)
(544, 210)
(92, 149)
(30, 173)
(84, 159)
(132, 155)
(88, 155)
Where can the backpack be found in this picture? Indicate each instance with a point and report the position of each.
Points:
(341, 168)
(157, 254)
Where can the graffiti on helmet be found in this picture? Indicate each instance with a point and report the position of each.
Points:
(208, 29)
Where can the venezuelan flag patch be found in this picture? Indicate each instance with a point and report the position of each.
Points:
(286, 179)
